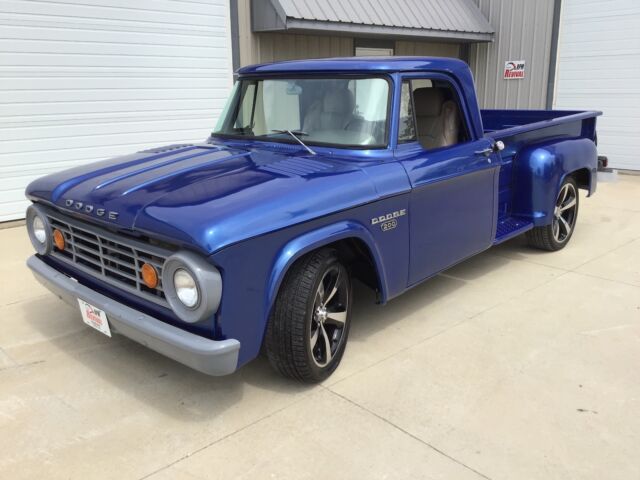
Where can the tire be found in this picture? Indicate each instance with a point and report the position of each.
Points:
(310, 318)
(556, 236)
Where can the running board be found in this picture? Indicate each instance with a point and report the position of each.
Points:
(511, 227)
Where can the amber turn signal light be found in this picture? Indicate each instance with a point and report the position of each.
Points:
(149, 275)
(58, 239)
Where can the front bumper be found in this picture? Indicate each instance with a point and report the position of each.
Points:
(212, 357)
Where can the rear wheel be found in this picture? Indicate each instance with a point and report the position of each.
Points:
(565, 214)
(309, 325)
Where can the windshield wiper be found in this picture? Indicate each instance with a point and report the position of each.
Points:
(295, 135)
(299, 133)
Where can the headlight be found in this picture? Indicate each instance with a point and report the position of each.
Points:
(38, 229)
(186, 288)
(192, 286)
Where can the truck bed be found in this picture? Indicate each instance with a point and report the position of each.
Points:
(499, 124)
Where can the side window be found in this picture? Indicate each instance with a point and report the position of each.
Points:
(439, 120)
(407, 129)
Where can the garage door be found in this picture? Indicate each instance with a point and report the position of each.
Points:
(86, 80)
(599, 68)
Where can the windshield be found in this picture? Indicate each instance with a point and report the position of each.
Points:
(349, 112)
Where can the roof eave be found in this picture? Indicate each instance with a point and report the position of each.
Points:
(294, 25)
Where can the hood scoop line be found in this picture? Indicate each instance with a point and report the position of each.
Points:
(174, 173)
(72, 182)
(149, 168)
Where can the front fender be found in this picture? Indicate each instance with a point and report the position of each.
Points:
(253, 270)
(315, 239)
(540, 170)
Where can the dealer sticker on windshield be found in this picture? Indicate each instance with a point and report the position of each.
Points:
(94, 317)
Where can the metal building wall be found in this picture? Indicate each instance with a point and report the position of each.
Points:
(523, 32)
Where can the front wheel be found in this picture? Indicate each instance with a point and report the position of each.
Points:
(308, 328)
(565, 214)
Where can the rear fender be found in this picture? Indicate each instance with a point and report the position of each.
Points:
(540, 169)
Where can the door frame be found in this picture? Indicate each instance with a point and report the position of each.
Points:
(404, 152)
(462, 101)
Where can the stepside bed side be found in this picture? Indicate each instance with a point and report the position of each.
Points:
(541, 148)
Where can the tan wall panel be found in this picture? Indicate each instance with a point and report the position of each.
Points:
(428, 49)
(270, 47)
(287, 46)
(249, 44)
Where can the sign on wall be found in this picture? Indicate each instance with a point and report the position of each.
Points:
(513, 69)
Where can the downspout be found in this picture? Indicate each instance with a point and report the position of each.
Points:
(465, 53)
(235, 37)
(553, 56)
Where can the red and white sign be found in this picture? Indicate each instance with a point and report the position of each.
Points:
(513, 69)
(94, 317)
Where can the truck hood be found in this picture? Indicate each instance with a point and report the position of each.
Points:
(207, 196)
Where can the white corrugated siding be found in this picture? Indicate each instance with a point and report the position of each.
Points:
(599, 68)
(83, 80)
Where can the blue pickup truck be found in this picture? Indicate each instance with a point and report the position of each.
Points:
(318, 172)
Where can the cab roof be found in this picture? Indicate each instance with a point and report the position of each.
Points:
(357, 64)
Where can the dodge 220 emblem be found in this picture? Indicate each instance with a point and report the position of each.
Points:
(389, 221)
(89, 209)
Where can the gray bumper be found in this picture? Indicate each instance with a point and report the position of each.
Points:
(207, 356)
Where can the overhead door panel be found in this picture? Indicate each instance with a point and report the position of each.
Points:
(85, 80)
(598, 68)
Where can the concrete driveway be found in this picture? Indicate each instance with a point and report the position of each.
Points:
(515, 364)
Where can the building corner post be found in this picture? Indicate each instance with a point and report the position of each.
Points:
(235, 36)
(553, 55)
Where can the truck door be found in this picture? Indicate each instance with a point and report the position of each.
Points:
(454, 178)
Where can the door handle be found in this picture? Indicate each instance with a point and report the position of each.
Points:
(495, 148)
(486, 152)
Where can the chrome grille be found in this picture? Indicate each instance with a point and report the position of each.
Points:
(113, 258)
